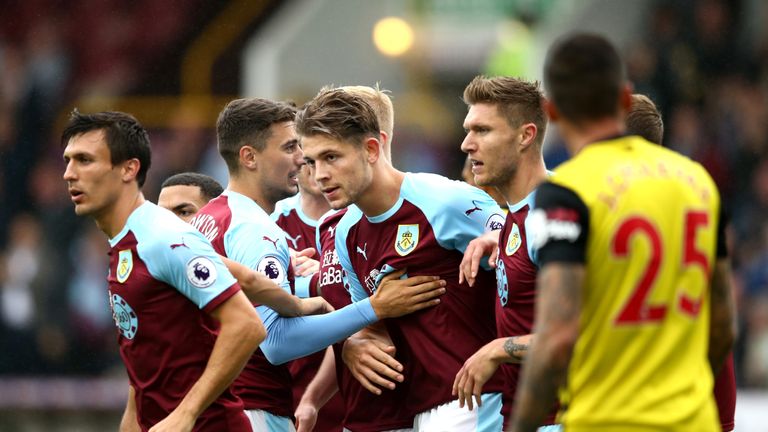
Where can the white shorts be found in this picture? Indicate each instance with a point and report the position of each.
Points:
(448, 417)
(262, 421)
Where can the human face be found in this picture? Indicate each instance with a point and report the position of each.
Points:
(341, 169)
(307, 183)
(279, 163)
(492, 145)
(183, 200)
(94, 184)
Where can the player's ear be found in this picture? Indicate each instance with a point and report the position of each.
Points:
(529, 132)
(130, 169)
(248, 157)
(373, 149)
(550, 110)
(625, 97)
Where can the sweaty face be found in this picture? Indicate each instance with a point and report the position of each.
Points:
(183, 200)
(340, 169)
(94, 184)
(280, 162)
(492, 145)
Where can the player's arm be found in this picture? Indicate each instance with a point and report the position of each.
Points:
(370, 356)
(483, 246)
(479, 368)
(318, 392)
(558, 308)
(240, 332)
(260, 289)
(395, 297)
(130, 421)
(562, 254)
(722, 323)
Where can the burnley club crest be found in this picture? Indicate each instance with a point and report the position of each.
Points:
(406, 239)
(124, 265)
(514, 241)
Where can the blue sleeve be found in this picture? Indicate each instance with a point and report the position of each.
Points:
(185, 260)
(291, 338)
(462, 213)
(348, 275)
(262, 248)
(301, 286)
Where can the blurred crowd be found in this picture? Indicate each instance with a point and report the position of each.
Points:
(703, 62)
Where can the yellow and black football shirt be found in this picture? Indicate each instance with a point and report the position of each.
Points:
(645, 222)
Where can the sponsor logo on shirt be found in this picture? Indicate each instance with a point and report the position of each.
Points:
(494, 222)
(124, 265)
(274, 242)
(201, 272)
(473, 209)
(362, 251)
(272, 268)
(293, 240)
(407, 238)
(514, 241)
(552, 225)
(331, 276)
(177, 245)
(502, 284)
(374, 278)
(330, 258)
(125, 318)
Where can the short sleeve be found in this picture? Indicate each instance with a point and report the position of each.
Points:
(188, 262)
(558, 225)
(261, 249)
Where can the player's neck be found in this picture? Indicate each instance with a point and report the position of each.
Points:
(243, 186)
(113, 220)
(313, 206)
(383, 192)
(530, 173)
(577, 137)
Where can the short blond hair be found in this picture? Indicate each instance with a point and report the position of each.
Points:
(644, 119)
(381, 103)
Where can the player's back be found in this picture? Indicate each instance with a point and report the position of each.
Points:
(641, 357)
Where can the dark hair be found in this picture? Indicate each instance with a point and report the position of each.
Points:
(583, 76)
(246, 122)
(125, 137)
(209, 187)
(517, 100)
(645, 120)
(338, 114)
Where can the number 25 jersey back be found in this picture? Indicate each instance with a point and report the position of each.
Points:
(651, 239)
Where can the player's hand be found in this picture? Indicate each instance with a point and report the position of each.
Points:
(372, 362)
(175, 422)
(485, 245)
(306, 417)
(476, 371)
(303, 264)
(314, 306)
(395, 297)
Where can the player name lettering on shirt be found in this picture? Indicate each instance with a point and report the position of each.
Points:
(206, 224)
